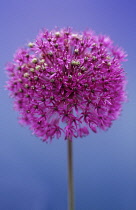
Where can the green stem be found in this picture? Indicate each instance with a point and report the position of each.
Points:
(70, 177)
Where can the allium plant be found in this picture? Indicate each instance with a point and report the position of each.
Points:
(67, 84)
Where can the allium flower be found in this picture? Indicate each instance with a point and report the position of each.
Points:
(67, 83)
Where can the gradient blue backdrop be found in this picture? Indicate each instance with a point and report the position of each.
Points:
(33, 175)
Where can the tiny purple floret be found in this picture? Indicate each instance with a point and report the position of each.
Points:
(67, 83)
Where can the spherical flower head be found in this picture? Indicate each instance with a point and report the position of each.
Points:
(67, 83)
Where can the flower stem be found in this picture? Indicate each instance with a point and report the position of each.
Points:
(70, 177)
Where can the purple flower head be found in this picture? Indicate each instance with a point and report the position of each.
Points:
(67, 83)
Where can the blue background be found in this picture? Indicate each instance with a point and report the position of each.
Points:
(33, 175)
